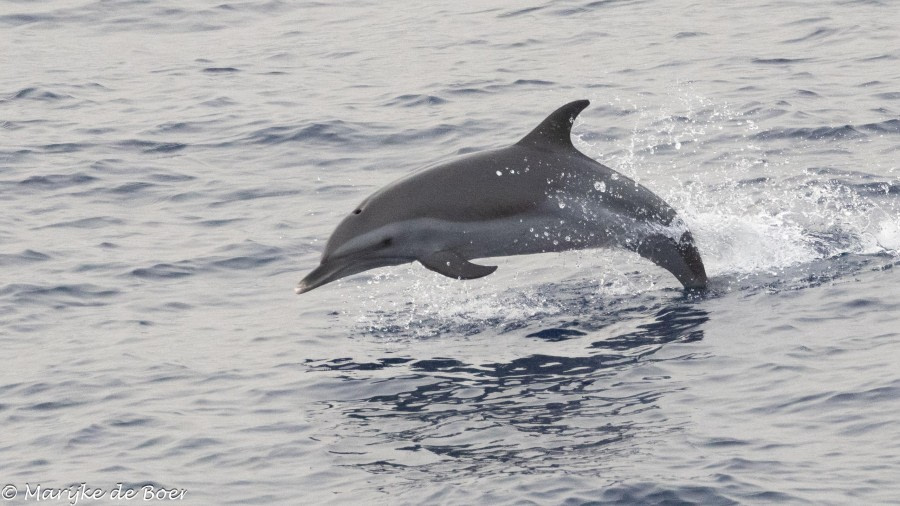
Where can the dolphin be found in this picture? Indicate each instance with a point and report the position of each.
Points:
(539, 195)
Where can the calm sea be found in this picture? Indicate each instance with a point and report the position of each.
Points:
(170, 170)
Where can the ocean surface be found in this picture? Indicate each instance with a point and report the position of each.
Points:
(170, 170)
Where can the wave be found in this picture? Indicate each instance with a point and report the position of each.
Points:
(415, 100)
(336, 132)
(72, 294)
(151, 146)
(34, 93)
(780, 61)
(87, 223)
(812, 134)
(891, 126)
(239, 256)
(57, 181)
(25, 257)
(817, 34)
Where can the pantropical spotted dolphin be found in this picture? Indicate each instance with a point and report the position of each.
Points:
(539, 195)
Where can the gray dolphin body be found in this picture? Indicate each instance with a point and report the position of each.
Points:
(538, 195)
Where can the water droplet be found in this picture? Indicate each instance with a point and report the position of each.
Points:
(677, 145)
(555, 242)
(562, 205)
(600, 186)
(569, 238)
(499, 173)
(615, 177)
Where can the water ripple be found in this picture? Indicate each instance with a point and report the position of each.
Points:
(165, 271)
(57, 181)
(331, 132)
(415, 100)
(25, 257)
(812, 134)
(26, 292)
(780, 61)
(88, 223)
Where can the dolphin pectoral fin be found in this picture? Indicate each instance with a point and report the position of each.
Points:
(452, 265)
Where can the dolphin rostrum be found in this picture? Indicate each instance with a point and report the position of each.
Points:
(539, 195)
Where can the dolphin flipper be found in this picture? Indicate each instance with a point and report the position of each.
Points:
(452, 265)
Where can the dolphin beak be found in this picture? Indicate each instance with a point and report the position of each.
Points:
(335, 269)
(319, 276)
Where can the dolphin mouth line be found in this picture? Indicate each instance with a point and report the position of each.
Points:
(327, 272)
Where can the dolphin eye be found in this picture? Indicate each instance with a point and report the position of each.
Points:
(387, 242)
(357, 211)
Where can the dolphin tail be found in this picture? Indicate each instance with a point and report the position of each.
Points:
(681, 258)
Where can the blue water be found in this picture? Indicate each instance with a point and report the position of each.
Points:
(170, 170)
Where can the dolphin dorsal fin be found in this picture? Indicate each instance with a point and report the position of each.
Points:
(555, 132)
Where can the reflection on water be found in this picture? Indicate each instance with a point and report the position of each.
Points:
(675, 323)
(534, 412)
